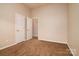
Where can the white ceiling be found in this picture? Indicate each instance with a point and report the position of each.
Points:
(34, 5)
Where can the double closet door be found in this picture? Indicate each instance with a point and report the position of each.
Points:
(23, 28)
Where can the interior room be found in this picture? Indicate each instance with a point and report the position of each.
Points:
(39, 29)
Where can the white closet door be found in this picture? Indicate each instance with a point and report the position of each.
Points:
(29, 28)
(19, 28)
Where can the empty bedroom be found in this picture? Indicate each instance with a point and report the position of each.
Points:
(39, 29)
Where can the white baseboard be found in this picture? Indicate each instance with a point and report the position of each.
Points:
(53, 41)
(8, 46)
(73, 51)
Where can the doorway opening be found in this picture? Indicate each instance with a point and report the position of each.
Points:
(35, 28)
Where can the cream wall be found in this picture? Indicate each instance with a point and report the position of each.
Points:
(22, 9)
(52, 22)
(7, 22)
(73, 39)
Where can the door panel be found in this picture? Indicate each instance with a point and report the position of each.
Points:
(19, 28)
(29, 28)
